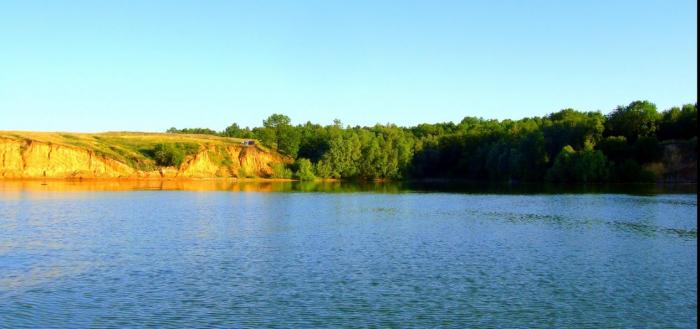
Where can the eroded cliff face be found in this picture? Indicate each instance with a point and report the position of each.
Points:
(33, 159)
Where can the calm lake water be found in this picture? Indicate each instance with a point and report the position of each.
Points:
(216, 254)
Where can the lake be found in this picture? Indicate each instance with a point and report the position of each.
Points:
(220, 254)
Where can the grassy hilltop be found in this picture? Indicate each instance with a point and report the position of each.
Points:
(141, 152)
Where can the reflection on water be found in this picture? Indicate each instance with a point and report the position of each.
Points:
(181, 254)
(335, 186)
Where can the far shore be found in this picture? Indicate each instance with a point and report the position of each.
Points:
(323, 180)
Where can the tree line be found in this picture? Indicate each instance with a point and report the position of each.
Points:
(565, 146)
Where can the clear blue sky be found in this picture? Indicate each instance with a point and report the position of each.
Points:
(149, 65)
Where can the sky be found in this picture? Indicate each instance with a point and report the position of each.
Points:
(138, 65)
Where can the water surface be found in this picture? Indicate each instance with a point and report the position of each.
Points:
(221, 254)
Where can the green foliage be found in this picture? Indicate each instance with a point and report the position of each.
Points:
(200, 131)
(485, 150)
(638, 119)
(278, 133)
(169, 154)
(288, 140)
(579, 167)
(343, 156)
(313, 141)
(679, 123)
(324, 170)
(562, 170)
(568, 127)
(277, 120)
(234, 131)
(279, 170)
(615, 148)
(305, 170)
(565, 146)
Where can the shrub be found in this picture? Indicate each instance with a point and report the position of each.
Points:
(615, 148)
(305, 170)
(583, 166)
(279, 170)
(168, 155)
(324, 169)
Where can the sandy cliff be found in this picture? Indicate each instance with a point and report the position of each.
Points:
(23, 156)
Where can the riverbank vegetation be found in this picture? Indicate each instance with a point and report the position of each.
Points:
(633, 143)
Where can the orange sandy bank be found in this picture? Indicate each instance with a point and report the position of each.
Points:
(37, 155)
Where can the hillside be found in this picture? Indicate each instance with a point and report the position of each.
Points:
(130, 155)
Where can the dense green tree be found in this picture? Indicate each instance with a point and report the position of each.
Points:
(324, 169)
(278, 133)
(562, 170)
(313, 141)
(679, 123)
(569, 127)
(288, 140)
(591, 166)
(585, 166)
(233, 131)
(638, 119)
(277, 120)
(565, 146)
(343, 156)
(615, 148)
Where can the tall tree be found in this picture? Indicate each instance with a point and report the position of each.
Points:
(278, 133)
(638, 119)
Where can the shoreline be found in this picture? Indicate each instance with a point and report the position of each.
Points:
(441, 181)
(146, 179)
(429, 181)
(290, 185)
